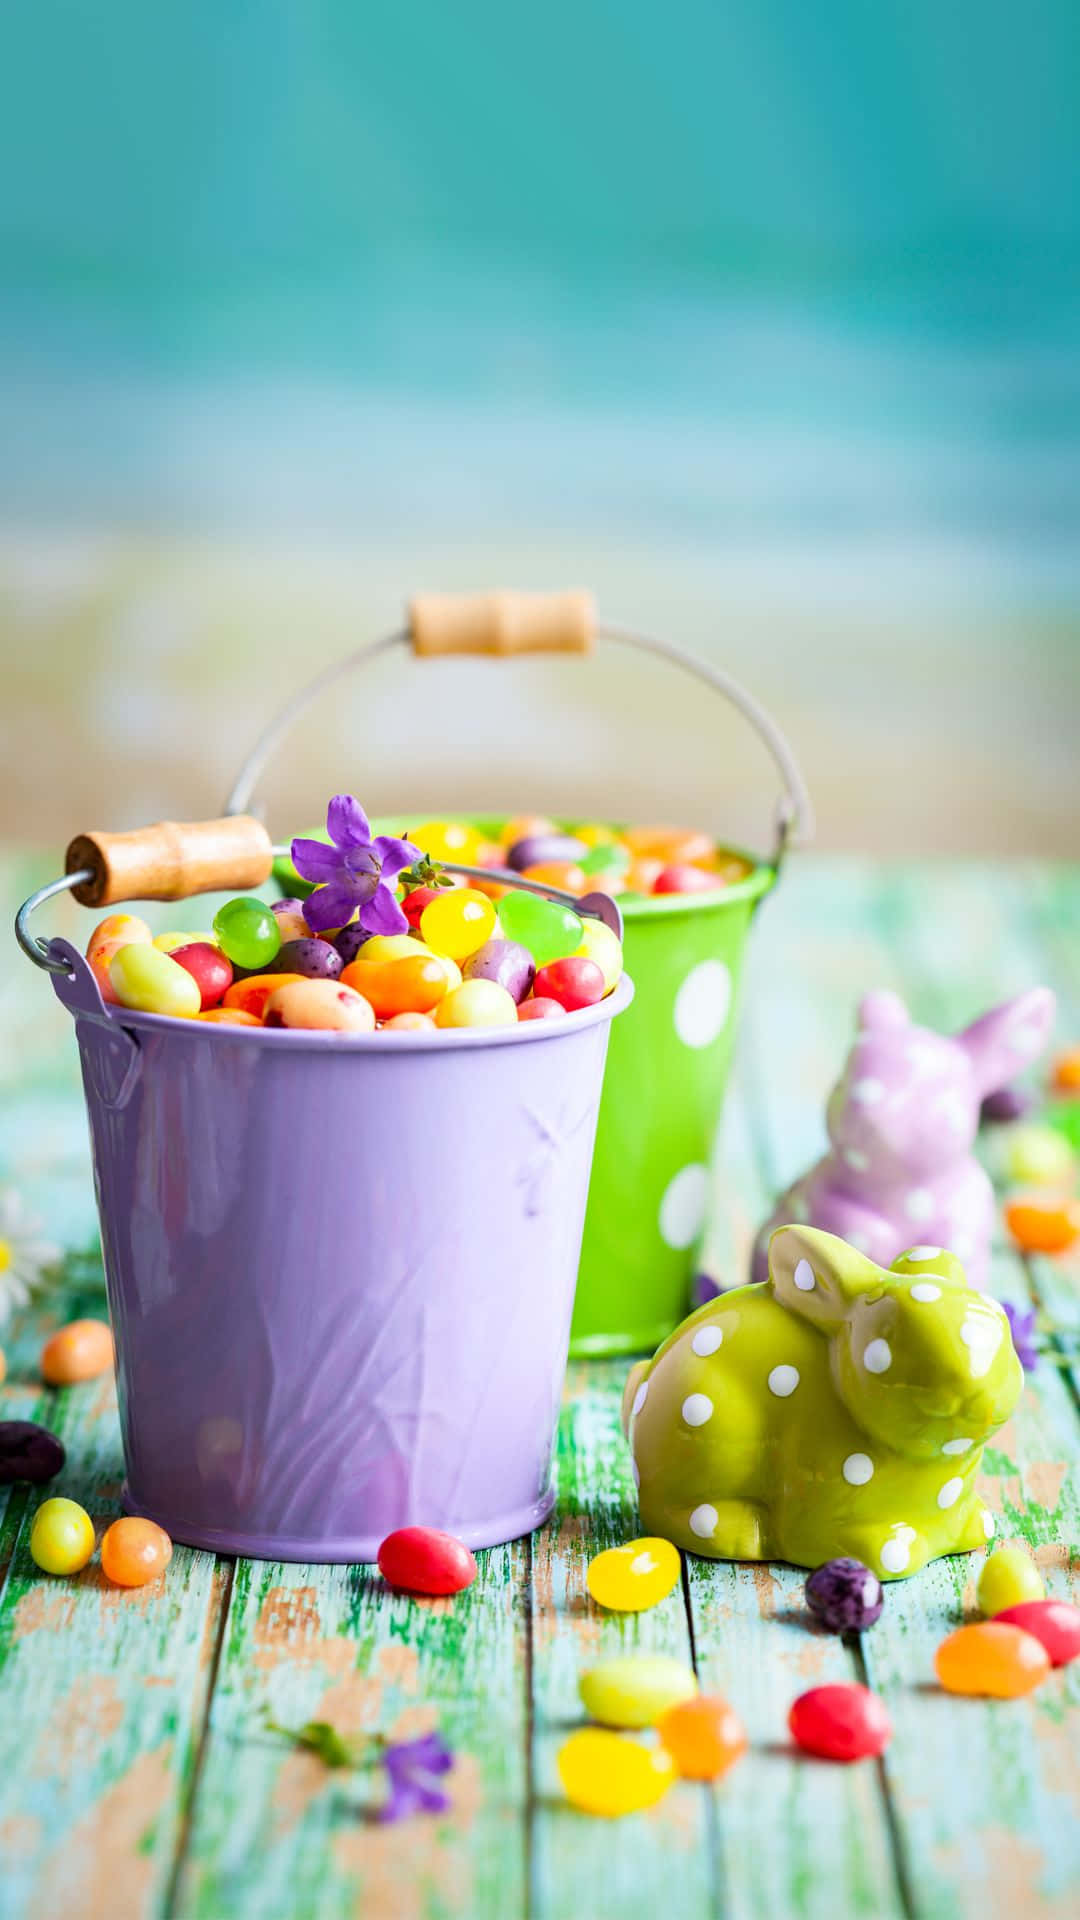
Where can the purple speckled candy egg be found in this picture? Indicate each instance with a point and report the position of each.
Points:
(28, 1452)
(844, 1596)
(538, 848)
(315, 959)
(506, 962)
(350, 940)
(1005, 1104)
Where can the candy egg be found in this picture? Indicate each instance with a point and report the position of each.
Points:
(327, 1005)
(608, 858)
(523, 825)
(231, 1017)
(390, 946)
(1043, 1226)
(536, 849)
(458, 923)
(249, 932)
(672, 846)
(134, 1551)
(840, 1722)
(607, 1774)
(989, 1658)
(627, 1579)
(125, 929)
(541, 1010)
(507, 962)
(844, 1596)
(100, 962)
(573, 983)
(1005, 1104)
(1066, 1071)
(600, 945)
(1009, 1576)
(548, 930)
(594, 834)
(399, 986)
(252, 994)
(168, 942)
(564, 874)
(408, 1023)
(1035, 1155)
(634, 1690)
(209, 969)
(686, 879)
(704, 1737)
(151, 982)
(1054, 1624)
(476, 1003)
(289, 915)
(448, 840)
(61, 1536)
(311, 959)
(80, 1351)
(28, 1452)
(350, 941)
(423, 1560)
(415, 901)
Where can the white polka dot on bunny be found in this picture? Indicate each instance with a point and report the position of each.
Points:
(783, 1381)
(703, 1521)
(706, 1340)
(697, 1408)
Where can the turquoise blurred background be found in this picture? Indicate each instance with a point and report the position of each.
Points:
(761, 320)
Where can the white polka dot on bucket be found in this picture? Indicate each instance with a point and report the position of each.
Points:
(895, 1555)
(857, 1469)
(919, 1204)
(702, 1004)
(783, 1380)
(920, 1254)
(877, 1356)
(682, 1209)
(803, 1277)
(703, 1521)
(706, 1340)
(950, 1492)
(925, 1291)
(696, 1409)
(640, 1398)
(867, 1091)
(960, 1445)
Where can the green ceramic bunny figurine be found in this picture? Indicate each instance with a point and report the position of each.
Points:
(836, 1408)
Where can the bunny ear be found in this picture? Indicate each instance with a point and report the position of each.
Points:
(818, 1276)
(1008, 1037)
(882, 1009)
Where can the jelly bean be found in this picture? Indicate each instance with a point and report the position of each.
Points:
(134, 1552)
(1009, 1576)
(596, 837)
(641, 875)
(523, 825)
(319, 1005)
(448, 840)
(61, 1536)
(408, 1023)
(638, 1575)
(608, 857)
(399, 986)
(685, 879)
(168, 942)
(458, 923)
(152, 982)
(989, 1658)
(573, 983)
(506, 961)
(454, 975)
(28, 1452)
(350, 940)
(391, 946)
(423, 1560)
(1064, 1118)
(840, 1722)
(312, 959)
(99, 963)
(126, 929)
(634, 1690)
(252, 994)
(703, 1736)
(844, 1596)
(535, 849)
(231, 1017)
(289, 915)
(541, 1010)
(476, 1003)
(672, 846)
(489, 854)
(414, 903)
(730, 868)
(1043, 1226)
(607, 1774)
(564, 874)
(604, 948)
(80, 1351)
(1035, 1155)
(550, 931)
(1066, 1071)
(1054, 1624)
(1006, 1104)
(209, 969)
(248, 931)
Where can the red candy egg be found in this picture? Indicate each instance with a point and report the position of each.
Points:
(1052, 1622)
(414, 903)
(572, 982)
(209, 969)
(423, 1560)
(540, 1010)
(686, 880)
(840, 1723)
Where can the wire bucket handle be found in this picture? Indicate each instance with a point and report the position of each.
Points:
(514, 623)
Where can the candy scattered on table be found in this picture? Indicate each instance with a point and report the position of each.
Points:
(845, 1596)
(80, 1351)
(424, 1560)
(1009, 1577)
(1065, 1073)
(640, 1574)
(134, 1551)
(704, 1736)
(1043, 1226)
(610, 1774)
(61, 1537)
(1054, 1623)
(991, 1658)
(636, 1688)
(29, 1452)
(1005, 1104)
(840, 1722)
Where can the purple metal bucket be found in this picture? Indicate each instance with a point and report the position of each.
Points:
(340, 1269)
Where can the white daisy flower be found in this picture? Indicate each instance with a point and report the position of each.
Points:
(25, 1259)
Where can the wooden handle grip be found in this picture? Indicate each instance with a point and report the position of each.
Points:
(502, 623)
(172, 860)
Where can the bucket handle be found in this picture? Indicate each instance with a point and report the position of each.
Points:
(505, 624)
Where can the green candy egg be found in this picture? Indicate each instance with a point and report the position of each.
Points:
(248, 932)
(634, 1690)
(1009, 1577)
(548, 930)
(1034, 1155)
(609, 858)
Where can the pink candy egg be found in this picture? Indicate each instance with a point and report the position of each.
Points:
(683, 879)
(540, 1010)
(423, 1560)
(572, 982)
(1053, 1622)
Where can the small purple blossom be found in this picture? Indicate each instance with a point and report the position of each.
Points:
(1022, 1328)
(355, 872)
(412, 1766)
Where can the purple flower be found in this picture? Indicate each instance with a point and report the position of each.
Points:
(1022, 1328)
(412, 1767)
(355, 872)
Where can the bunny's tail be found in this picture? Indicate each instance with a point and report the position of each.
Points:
(634, 1380)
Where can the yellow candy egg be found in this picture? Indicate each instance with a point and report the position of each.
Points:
(599, 944)
(594, 834)
(635, 1689)
(448, 840)
(61, 1537)
(390, 946)
(168, 942)
(458, 922)
(638, 1575)
(477, 1003)
(148, 981)
(607, 1774)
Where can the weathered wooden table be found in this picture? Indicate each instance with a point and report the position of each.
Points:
(136, 1776)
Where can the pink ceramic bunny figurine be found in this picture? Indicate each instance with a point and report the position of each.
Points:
(902, 1120)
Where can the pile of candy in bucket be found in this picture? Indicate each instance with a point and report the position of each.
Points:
(592, 856)
(384, 939)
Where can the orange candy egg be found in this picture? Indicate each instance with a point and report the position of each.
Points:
(399, 986)
(134, 1552)
(672, 846)
(251, 996)
(409, 1023)
(1038, 1226)
(118, 929)
(703, 1735)
(231, 1016)
(565, 874)
(1067, 1071)
(80, 1351)
(991, 1658)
